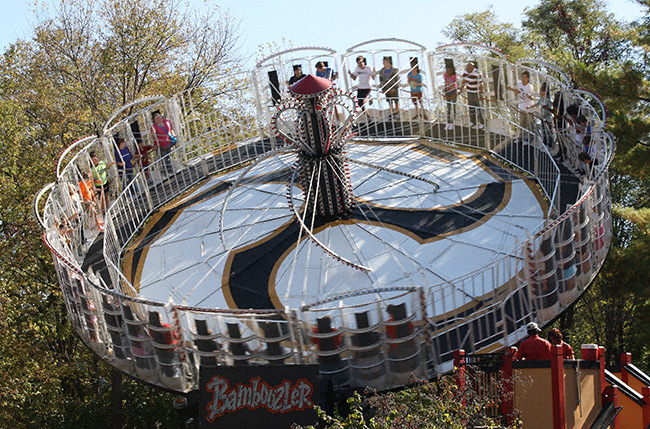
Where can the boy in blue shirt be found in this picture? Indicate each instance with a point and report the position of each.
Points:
(124, 162)
(415, 80)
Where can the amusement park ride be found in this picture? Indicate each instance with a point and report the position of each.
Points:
(296, 227)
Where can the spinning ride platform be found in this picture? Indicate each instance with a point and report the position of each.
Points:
(448, 213)
(374, 248)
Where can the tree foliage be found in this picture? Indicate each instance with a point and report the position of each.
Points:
(608, 58)
(105, 53)
(85, 59)
(438, 404)
(487, 29)
(578, 31)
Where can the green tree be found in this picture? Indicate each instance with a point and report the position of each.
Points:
(487, 29)
(85, 60)
(424, 404)
(575, 31)
(608, 58)
(107, 53)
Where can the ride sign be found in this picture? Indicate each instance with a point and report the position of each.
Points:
(266, 396)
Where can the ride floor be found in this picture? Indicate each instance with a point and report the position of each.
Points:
(223, 247)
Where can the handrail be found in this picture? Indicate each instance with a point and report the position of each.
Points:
(389, 39)
(297, 49)
(564, 77)
(594, 97)
(37, 200)
(128, 106)
(471, 45)
(67, 150)
(359, 292)
(577, 204)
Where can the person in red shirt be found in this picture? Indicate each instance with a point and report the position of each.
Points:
(164, 137)
(534, 347)
(163, 335)
(405, 329)
(332, 368)
(555, 338)
(324, 326)
(143, 151)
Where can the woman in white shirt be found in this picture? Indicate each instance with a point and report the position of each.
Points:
(526, 102)
(364, 73)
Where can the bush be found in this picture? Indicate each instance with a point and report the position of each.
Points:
(435, 404)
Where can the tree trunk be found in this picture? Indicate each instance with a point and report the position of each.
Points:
(566, 319)
(116, 398)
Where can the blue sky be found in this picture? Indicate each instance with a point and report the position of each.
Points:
(338, 24)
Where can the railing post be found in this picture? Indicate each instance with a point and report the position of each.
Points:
(112, 270)
(611, 395)
(646, 406)
(459, 371)
(204, 167)
(147, 192)
(603, 383)
(593, 353)
(507, 387)
(557, 387)
(626, 359)
(535, 156)
(529, 274)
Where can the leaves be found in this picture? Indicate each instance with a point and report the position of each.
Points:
(485, 28)
(579, 31)
(611, 59)
(425, 404)
(86, 59)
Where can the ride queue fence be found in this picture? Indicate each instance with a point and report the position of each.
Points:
(166, 343)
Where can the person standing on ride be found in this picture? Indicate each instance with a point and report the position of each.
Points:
(124, 161)
(582, 130)
(364, 73)
(546, 115)
(99, 171)
(325, 72)
(142, 152)
(389, 83)
(414, 78)
(473, 82)
(297, 74)
(526, 103)
(164, 137)
(451, 94)
(86, 189)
